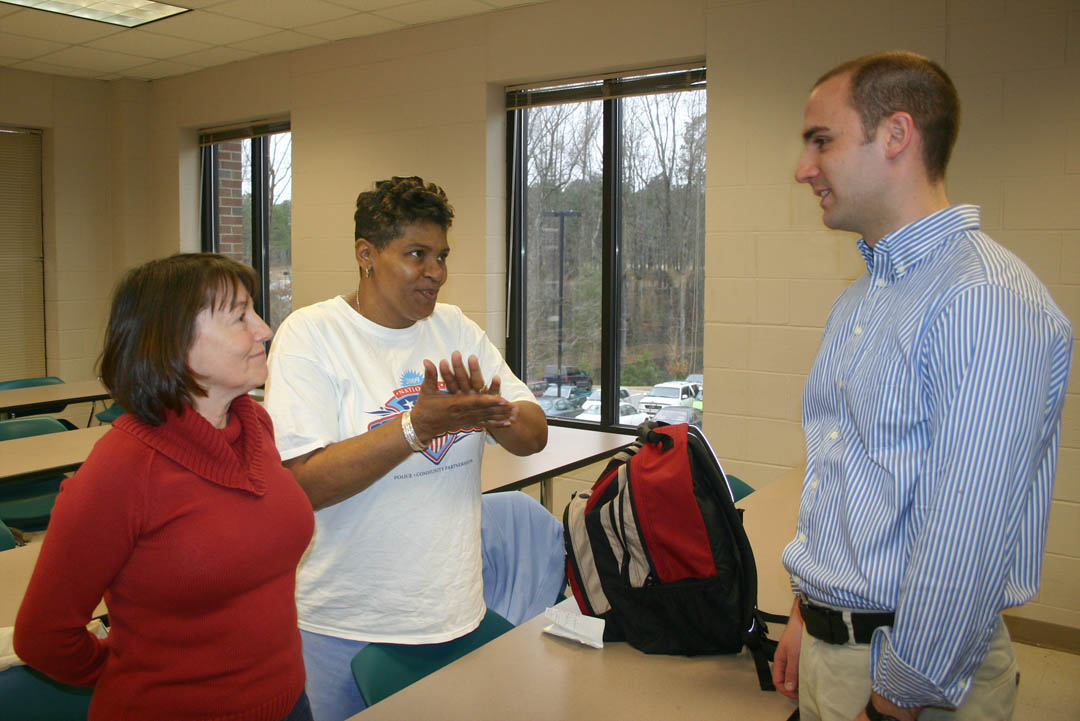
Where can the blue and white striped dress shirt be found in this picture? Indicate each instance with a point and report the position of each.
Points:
(932, 417)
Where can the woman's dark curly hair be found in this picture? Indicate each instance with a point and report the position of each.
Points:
(381, 214)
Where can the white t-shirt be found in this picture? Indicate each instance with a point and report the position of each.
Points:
(400, 561)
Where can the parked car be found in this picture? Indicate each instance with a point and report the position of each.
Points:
(537, 387)
(628, 415)
(670, 393)
(562, 375)
(558, 408)
(679, 414)
(625, 395)
(572, 393)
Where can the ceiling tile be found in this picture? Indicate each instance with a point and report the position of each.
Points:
(22, 47)
(58, 28)
(351, 27)
(198, 4)
(510, 3)
(369, 5)
(214, 56)
(279, 42)
(208, 28)
(94, 59)
(159, 69)
(282, 13)
(140, 42)
(39, 67)
(431, 11)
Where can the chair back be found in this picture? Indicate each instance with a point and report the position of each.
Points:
(25, 427)
(7, 540)
(29, 695)
(381, 669)
(36, 381)
(27, 504)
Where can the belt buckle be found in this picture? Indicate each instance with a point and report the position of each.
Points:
(824, 623)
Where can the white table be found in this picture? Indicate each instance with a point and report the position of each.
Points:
(526, 675)
(28, 401)
(47, 454)
(567, 449)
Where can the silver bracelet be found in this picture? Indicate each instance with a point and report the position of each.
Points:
(410, 432)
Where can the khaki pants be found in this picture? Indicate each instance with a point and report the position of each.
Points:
(834, 682)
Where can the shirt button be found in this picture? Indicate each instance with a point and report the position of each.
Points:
(802, 538)
(834, 435)
(880, 283)
(796, 580)
(858, 330)
(900, 270)
(840, 383)
(814, 483)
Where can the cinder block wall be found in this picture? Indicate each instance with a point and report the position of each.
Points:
(428, 100)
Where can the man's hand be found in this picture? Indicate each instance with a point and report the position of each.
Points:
(888, 708)
(785, 671)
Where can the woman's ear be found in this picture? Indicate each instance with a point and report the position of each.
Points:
(364, 252)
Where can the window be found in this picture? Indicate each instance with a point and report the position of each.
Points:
(607, 234)
(247, 206)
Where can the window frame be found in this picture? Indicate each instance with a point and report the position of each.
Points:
(612, 89)
(259, 134)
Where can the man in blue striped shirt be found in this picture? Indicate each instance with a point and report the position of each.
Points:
(932, 417)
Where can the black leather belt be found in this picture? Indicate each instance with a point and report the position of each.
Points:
(828, 624)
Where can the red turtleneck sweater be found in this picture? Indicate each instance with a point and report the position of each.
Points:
(193, 535)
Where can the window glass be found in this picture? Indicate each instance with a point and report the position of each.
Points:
(564, 183)
(651, 227)
(663, 239)
(280, 241)
(249, 175)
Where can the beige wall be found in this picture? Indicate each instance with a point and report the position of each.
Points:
(428, 101)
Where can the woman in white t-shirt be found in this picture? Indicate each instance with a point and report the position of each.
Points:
(382, 400)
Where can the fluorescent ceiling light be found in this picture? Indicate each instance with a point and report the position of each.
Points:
(128, 13)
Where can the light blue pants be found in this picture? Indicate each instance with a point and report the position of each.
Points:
(524, 572)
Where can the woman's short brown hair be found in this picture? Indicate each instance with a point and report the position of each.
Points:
(152, 325)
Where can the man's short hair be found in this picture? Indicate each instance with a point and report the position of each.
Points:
(381, 214)
(152, 326)
(885, 83)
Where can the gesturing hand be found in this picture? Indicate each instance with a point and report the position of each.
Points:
(465, 406)
(459, 379)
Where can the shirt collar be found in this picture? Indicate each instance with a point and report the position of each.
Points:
(905, 247)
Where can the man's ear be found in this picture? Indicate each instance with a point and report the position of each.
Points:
(899, 131)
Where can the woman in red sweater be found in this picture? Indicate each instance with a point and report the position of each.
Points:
(182, 518)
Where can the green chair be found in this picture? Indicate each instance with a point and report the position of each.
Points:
(739, 488)
(29, 695)
(7, 541)
(381, 669)
(110, 414)
(27, 504)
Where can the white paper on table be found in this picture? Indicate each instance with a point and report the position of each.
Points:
(567, 621)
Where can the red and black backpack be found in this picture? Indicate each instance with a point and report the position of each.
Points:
(657, 549)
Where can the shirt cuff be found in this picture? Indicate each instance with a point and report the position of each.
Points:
(903, 684)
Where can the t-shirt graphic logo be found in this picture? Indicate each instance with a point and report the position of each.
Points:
(403, 399)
